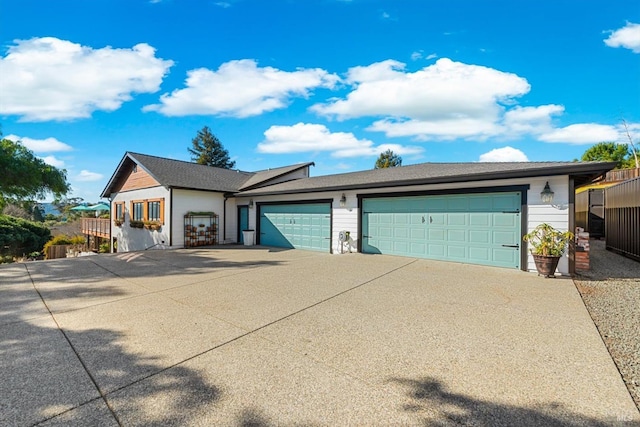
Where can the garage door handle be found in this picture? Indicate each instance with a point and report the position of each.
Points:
(510, 211)
(368, 237)
(511, 246)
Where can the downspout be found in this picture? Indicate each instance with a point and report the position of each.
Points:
(572, 224)
(170, 216)
(224, 219)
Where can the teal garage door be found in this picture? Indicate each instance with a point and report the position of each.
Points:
(299, 226)
(481, 228)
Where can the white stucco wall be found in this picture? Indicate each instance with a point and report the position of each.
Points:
(194, 201)
(138, 239)
(346, 218)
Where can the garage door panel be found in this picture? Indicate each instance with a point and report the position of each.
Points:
(437, 219)
(477, 219)
(457, 252)
(457, 219)
(479, 254)
(480, 236)
(456, 235)
(505, 220)
(464, 227)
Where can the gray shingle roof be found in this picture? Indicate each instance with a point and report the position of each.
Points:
(181, 174)
(261, 177)
(432, 173)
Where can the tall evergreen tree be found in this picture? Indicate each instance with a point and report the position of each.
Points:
(388, 159)
(208, 150)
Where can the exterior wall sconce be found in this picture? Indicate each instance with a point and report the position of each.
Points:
(546, 194)
(250, 203)
(343, 201)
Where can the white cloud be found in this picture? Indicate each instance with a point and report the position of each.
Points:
(303, 137)
(51, 79)
(534, 120)
(627, 37)
(416, 55)
(85, 175)
(53, 161)
(582, 133)
(47, 145)
(445, 100)
(240, 89)
(431, 56)
(505, 154)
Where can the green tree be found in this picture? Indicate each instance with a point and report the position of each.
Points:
(64, 205)
(24, 176)
(208, 150)
(609, 152)
(388, 159)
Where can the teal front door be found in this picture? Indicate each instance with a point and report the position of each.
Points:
(299, 226)
(243, 221)
(481, 228)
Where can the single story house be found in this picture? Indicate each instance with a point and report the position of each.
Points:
(465, 212)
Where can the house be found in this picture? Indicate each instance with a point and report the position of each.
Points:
(465, 212)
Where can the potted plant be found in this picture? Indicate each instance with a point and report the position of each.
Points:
(547, 246)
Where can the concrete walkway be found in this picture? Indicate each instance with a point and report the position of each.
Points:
(237, 336)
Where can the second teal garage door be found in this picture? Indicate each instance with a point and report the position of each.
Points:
(299, 226)
(479, 228)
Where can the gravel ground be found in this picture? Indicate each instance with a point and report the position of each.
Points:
(611, 293)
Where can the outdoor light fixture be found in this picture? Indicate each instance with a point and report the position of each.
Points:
(546, 194)
(250, 203)
(343, 200)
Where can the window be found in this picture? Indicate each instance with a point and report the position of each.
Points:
(119, 214)
(153, 210)
(148, 210)
(137, 211)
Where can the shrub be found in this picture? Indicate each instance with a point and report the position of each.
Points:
(104, 248)
(19, 237)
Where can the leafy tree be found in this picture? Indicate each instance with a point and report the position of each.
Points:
(24, 176)
(609, 152)
(20, 237)
(208, 150)
(388, 159)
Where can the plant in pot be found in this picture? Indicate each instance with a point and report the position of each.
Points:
(547, 246)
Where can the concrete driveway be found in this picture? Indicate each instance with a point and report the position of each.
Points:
(252, 336)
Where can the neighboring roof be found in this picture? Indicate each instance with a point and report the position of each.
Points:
(263, 177)
(181, 174)
(435, 173)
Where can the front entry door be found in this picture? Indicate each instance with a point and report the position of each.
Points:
(243, 221)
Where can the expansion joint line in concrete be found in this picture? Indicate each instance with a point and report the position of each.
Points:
(253, 331)
(84, 366)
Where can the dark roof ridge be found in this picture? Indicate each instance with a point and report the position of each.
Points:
(132, 153)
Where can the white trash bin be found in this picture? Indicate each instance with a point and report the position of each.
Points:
(247, 236)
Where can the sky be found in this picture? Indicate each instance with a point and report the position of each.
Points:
(335, 82)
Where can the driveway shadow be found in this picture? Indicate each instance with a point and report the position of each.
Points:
(42, 377)
(427, 394)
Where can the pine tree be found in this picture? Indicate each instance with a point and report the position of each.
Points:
(208, 150)
(388, 159)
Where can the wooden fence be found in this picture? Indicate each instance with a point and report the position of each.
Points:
(57, 251)
(622, 218)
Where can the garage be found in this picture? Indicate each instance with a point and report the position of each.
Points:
(477, 228)
(295, 225)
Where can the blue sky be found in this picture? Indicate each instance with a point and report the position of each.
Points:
(330, 81)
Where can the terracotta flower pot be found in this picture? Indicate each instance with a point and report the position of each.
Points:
(546, 265)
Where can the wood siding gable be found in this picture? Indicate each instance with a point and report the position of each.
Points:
(136, 180)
